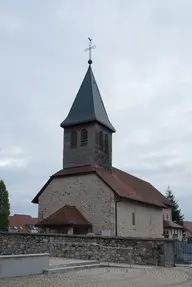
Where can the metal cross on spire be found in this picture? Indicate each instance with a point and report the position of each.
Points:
(89, 49)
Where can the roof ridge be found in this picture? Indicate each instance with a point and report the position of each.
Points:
(136, 177)
(72, 168)
(20, 214)
(94, 82)
(92, 78)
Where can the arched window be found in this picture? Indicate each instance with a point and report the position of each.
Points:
(106, 143)
(84, 137)
(101, 139)
(73, 139)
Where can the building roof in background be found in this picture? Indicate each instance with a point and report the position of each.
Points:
(171, 224)
(67, 215)
(123, 184)
(188, 225)
(88, 105)
(21, 220)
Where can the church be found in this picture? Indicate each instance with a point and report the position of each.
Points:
(89, 195)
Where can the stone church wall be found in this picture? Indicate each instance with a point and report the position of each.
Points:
(106, 249)
(93, 198)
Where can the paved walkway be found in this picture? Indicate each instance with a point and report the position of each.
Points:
(108, 277)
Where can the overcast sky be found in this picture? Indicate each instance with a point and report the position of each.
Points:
(143, 67)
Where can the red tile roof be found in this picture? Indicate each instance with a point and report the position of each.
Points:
(67, 215)
(123, 184)
(188, 225)
(21, 220)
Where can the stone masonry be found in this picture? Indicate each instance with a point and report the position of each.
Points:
(106, 249)
(88, 193)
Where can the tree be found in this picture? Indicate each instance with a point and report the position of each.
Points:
(4, 207)
(177, 216)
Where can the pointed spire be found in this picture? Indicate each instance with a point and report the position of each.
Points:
(88, 105)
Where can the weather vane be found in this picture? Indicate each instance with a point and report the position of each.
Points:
(89, 49)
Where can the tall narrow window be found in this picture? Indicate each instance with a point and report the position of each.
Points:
(133, 218)
(106, 143)
(73, 139)
(84, 137)
(101, 139)
(97, 138)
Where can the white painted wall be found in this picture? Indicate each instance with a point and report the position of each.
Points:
(23, 264)
(167, 214)
(148, 220)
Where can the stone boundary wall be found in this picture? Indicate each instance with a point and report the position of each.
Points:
(109, 249)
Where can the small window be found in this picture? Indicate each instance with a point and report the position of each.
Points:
(133, 218)
(73, 139)
(84, 137)
(106, 143)
(101, 139)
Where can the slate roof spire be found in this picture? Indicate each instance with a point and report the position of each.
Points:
(88, 105)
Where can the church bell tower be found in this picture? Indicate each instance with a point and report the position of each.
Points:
(87, 129)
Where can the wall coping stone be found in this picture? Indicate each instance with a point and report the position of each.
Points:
(85, 236)
(23, 255)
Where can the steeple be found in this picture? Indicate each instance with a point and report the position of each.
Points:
(88, 105)
(87, 128)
